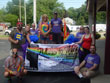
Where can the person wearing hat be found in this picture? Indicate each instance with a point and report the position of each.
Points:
(18, 37)
(56, 25)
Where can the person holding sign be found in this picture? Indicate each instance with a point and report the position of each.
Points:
(14, 65)
(45, 28)
(17, 38)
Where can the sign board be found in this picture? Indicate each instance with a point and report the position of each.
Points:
(52, 57)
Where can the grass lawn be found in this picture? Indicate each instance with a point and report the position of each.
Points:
(3, 36)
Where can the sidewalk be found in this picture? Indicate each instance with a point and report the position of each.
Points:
(101, 78)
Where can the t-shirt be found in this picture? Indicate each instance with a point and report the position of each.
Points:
(21, 37)
(13, 63)
(91, 60)
(56, 25)
(34, 32)
(79, 35)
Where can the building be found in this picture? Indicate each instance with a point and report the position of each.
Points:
(94, 6)
(68, 21)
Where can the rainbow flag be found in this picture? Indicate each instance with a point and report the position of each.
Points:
(66, 35)
(19, 68)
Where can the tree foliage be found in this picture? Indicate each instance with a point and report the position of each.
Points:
(44, 7)
(80, 15)
(11, 18)
(101, 17)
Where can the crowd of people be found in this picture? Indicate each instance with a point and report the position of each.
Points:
(21, 38)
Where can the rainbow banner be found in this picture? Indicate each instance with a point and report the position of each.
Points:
(52, 57)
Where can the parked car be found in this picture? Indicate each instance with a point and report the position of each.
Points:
(8, 31)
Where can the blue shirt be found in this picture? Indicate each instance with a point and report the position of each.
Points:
(79, 35)
(91, 60)
(34, 32)
(56, 25)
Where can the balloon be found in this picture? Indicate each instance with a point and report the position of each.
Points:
(34, 38)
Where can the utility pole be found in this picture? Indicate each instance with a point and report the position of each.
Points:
(25, 13)
(20, 10)
(34, 12)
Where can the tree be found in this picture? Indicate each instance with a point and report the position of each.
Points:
(72, 13)
(1, 16)
(79, 15)
(48, 7)
(81, 21)
(44, 7)
(101, 17)
(11, 18)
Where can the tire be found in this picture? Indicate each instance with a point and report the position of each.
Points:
(6, 33)
(100, 30)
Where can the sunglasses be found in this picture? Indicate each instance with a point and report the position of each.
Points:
(15, 53)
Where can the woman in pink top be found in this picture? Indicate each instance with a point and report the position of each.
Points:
(86, 40)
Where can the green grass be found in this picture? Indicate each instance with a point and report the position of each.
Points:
(4, 36)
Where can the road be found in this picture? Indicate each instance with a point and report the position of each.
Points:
(34, 77)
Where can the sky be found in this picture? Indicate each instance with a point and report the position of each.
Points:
(72, 3)
(67, 3)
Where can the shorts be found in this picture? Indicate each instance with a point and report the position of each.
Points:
(90, 73)
(44, 38)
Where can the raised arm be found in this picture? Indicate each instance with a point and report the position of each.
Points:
(27, 37)
(11, 39)
(77, 68)
(81, 40)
